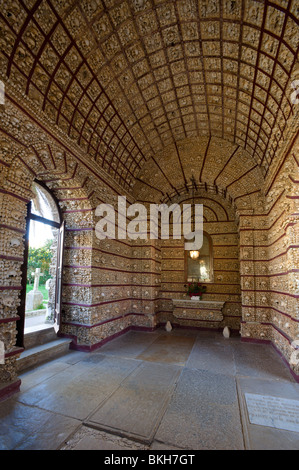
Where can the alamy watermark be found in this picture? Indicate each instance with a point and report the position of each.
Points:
(144, 225)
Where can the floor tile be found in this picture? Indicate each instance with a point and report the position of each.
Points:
(77, 391)
(87, 438)
(27, 427)
(259, 360)
(218, 357)
(51, 435)
(168, 348)
(130, 345)
(203, 413)
(39, 374)
(136, 408)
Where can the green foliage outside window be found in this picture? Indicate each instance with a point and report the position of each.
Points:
(39, 258)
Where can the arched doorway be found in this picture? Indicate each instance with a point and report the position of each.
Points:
(42, 269)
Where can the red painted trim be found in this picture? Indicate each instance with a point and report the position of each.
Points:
(225, 166)
(4, 191)
(110, 302)
(14, 229)
(69, 284)
(10, 390)
(9, 320)
(109, 320)
(2, 162)
(86, 348)
(113, 269)
(14, 352)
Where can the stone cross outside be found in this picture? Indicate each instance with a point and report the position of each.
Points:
(36, 275)
(34, 298)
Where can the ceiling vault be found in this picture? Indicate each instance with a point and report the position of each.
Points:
(127, 79)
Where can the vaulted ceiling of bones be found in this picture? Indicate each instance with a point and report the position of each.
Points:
(126, 79)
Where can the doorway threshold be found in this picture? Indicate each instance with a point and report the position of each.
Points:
(35, 328)
(39, 334)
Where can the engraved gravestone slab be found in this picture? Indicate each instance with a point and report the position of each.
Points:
(276, 412)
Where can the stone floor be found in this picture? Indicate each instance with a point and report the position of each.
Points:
(180, 390)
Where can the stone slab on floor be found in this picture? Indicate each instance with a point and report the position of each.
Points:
(86, 438)
(203, 413)
(216, 356)
(78, 391)
(32, 377)
(27, 427)
(130, 344)
(259, 360)
(137, 406)
(169, 348)
(258, 434)
(92, 439)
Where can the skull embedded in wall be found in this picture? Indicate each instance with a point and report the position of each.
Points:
(13, 273)
(14, 242)
(8, 301)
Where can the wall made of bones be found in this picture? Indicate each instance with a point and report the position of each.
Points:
(98, 292)
(277, 280)
(114, 285)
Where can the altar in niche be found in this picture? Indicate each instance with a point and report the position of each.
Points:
(201, 310)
